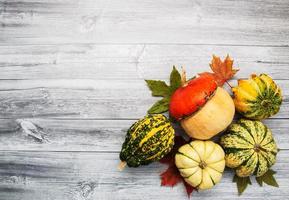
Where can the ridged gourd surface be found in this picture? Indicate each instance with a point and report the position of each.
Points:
(201, 163)
(258, 97)
(249, 147)
(147, 140)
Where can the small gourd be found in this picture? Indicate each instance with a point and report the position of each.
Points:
(257, 97)
(147, 140)
(249, 147)
(201, 163)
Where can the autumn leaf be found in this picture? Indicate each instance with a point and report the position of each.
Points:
(158, 88)
(222, 70)
(171, 176)
(160, 106)
(190, 189)
(268, 178)
(161, 89)
(175, 80)
(242, 183)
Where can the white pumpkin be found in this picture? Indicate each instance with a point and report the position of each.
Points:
(201, 163)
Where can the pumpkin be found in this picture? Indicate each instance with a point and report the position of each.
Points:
(147, 140)
(201, 163)
(257, 97)
(203, 109)
(249, 148)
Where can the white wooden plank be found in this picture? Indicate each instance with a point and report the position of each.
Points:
(70, 54)
(79, 175)
(90, 61)
(86, 135)
(215, 22)
(97, 99)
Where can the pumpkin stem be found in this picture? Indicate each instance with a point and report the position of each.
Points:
(202, 165)
(183, 77)
(121, 165)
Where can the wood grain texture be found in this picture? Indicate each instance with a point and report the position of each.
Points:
(72, 81)
(86, 135)
(88, 175)
(82, 98)
(91, 61)
(98, 21)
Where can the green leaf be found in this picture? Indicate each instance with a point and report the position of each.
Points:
(268, 178)
(160, 106)
(242, 183)
(158, 88)
(175, 80)
(259, 181)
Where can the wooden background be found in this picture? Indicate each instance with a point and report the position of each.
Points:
(72, 81)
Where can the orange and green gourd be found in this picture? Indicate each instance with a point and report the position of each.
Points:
(147, 140)
(249, 148)
(257, 97)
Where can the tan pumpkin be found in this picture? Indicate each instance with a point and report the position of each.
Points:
(201, 163)
(203, 108)
(213, 118)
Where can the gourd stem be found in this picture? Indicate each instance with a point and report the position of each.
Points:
(121, 165)
(258, 148)
(202, 165)
(183, 77)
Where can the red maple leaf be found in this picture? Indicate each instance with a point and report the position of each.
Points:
(222, 70)
(172, 176)
(189, 188)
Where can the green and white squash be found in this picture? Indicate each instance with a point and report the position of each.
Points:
(147, 140)
(201, 163)
(257, 97)
(249, 148)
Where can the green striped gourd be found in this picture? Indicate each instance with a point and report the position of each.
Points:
(249, 148)
(257, 97)
(147, 140)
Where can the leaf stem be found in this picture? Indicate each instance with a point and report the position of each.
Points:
(229, 84)
(183, 77)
